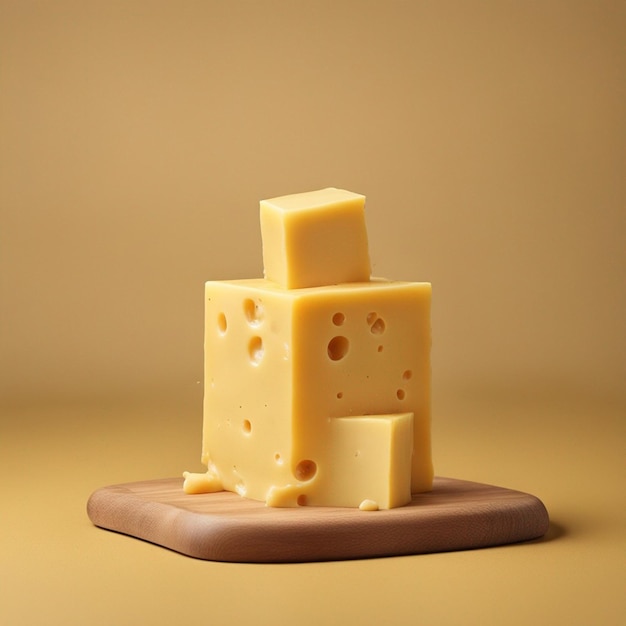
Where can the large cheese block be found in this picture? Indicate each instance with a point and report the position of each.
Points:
(317, 396)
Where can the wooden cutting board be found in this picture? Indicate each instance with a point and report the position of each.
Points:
(222, 526)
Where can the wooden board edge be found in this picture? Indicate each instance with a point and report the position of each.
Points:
(210, 537)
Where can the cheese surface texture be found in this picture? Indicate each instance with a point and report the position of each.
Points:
(316, 395)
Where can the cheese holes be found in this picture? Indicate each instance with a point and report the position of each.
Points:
(301, 500)
(400, 393)
(338, 348)
(247, 427)
(305, 470)
(253, 310)
(222, 324)
(376, 323)
(255, 350)
(339, 319)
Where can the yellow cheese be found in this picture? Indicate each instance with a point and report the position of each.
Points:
(316, 238)
(366, 463)
(317, 378)
(317, 396)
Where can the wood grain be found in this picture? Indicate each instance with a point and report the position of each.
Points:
(222, 526)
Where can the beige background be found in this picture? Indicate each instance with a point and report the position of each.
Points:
(136, 140)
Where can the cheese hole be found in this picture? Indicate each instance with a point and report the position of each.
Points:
(278, 459)
(338, 348)
(221, 323)
(247, 427)
(371, 318)
(255, 350)
(253, 311)
(400, 394)
(301, 500)
(407, 374)
(305, 470)
(339, 395)
(378, 327)
(380, 348)
(339, 319)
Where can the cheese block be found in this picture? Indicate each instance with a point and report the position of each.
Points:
(317, 376)
(316, 238)
(366, 464)
(317, 396)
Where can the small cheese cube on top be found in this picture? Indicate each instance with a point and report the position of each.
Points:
(315, 238)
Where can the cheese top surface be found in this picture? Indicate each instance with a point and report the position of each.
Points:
(322, 200)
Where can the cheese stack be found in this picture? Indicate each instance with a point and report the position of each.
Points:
(317, 376)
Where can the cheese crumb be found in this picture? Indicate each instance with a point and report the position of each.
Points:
(368, 505)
